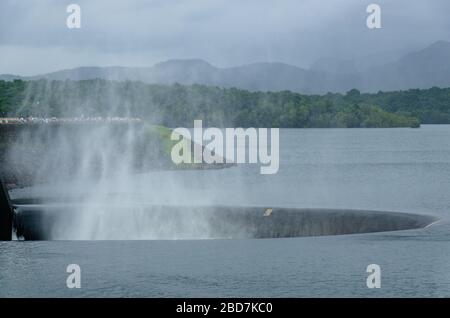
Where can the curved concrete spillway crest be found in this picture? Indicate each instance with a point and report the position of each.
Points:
(45, 222)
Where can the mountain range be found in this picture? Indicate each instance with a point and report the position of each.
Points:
(424, 68)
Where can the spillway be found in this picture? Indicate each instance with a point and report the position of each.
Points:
(41, 222)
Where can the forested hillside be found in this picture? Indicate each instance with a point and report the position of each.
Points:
(178, 105)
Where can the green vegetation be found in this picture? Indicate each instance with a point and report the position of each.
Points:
(431, 106)
(178, 105)
(149, 148)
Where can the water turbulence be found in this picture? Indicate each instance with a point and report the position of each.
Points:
(100, 160)
(98, 156)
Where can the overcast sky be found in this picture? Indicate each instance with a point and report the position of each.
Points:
(34, 37)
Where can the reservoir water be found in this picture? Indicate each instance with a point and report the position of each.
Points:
(402, 170)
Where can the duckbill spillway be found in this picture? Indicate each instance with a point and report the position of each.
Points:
(44, 222)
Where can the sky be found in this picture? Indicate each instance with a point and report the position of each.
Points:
(35, 39)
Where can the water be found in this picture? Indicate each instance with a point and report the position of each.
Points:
(405, 170)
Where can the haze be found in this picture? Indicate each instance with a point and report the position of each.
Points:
(34, 38)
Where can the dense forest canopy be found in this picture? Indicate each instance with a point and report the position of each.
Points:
(178, 105)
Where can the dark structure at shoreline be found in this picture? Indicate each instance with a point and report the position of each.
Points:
(6, 214)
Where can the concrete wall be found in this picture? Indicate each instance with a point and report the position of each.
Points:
(6, 214)
(40, 222)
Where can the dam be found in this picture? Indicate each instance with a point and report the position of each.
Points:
(43, 219)
(54, 221)
(36, 219)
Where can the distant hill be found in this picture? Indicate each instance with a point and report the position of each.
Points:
(9, 77)
(335, 66)
(422, 69)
